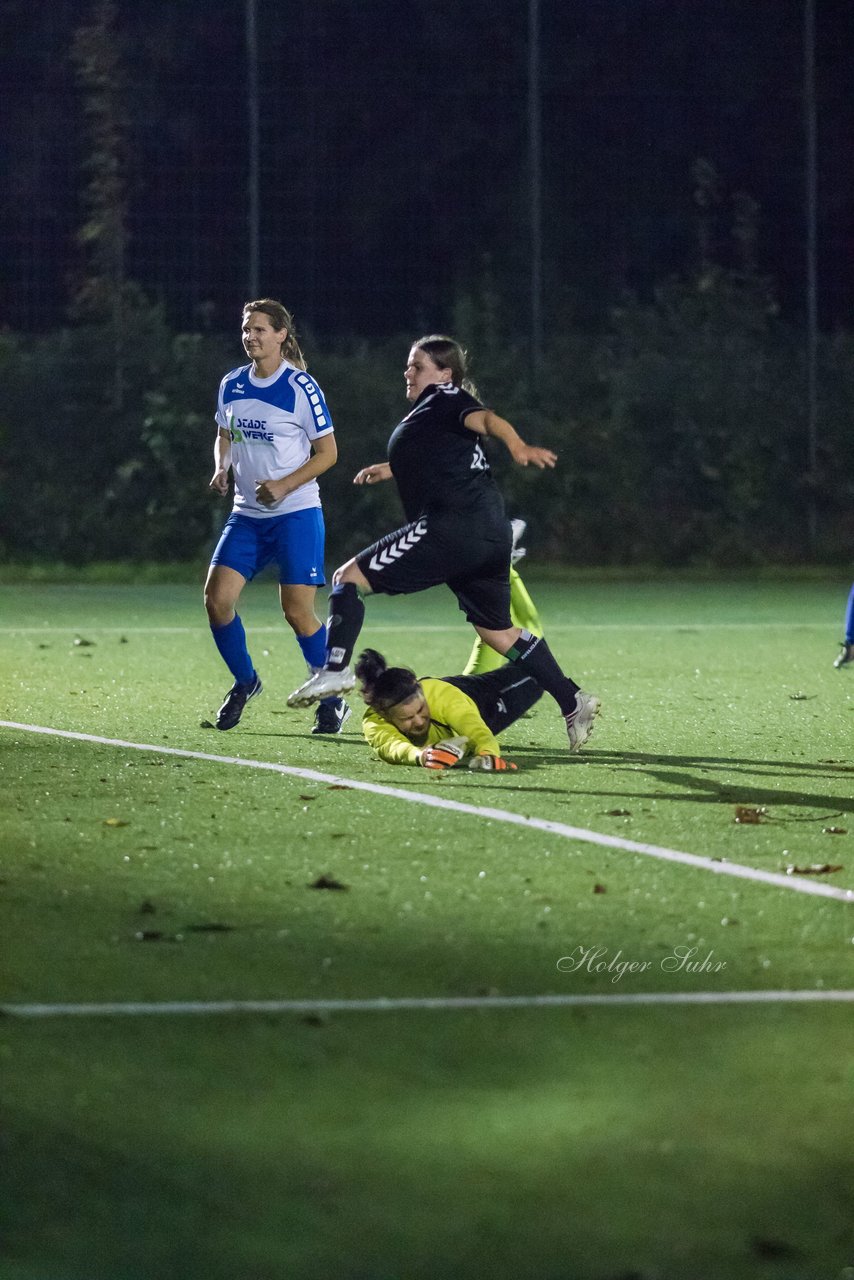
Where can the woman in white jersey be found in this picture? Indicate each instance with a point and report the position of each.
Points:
(275, 436)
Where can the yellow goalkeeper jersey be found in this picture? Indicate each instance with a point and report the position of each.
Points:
(453, 714)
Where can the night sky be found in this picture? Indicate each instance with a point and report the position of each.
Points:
(394, 154)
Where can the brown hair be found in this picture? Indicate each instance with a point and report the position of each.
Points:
(384, 687)
(280, 318)
(447, 353)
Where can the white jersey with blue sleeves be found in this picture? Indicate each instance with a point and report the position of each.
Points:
(272, 423)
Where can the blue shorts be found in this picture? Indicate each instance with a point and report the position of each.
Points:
(295, 540)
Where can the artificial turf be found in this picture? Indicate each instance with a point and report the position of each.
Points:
(698, 1142)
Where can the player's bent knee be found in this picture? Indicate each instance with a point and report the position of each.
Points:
(220, 610)
(350, 572)
(303, 621)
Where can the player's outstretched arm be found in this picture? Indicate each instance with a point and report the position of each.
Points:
(373, 474)
(487, 423)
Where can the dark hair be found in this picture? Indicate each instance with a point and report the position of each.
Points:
(384, 687)
(447, 353)
(280, 318)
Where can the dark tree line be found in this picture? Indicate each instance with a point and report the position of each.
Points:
(680, 428)
(673, 380)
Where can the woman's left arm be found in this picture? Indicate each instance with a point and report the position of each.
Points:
(325, 455)
(487, 423)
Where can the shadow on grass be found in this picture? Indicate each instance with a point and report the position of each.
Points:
(673, 771)
(669, 770)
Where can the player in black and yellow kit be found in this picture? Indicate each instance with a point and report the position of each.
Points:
(457, 533)
(439, 723)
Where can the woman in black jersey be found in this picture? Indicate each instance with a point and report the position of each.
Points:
(457, 532)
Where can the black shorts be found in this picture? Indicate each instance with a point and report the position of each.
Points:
(501, 696)
(474, 561)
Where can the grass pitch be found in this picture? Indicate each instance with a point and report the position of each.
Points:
(585, 1143)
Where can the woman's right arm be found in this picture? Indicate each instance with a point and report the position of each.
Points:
(222, 462)
(487, 423)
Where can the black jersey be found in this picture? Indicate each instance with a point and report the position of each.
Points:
(438, 463)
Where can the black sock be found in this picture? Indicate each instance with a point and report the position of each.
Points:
(533, 656)
(346, 615)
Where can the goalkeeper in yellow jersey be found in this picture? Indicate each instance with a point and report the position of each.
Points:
(440, 723)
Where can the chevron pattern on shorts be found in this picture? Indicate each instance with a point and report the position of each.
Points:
(382, 559)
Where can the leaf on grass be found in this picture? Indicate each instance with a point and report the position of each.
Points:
(815, 869)
(214, 927)
(750, 815)
(599, 888)
(115, 822)
(80, 643)
(328, 882)
(834, 831)
(618, 813)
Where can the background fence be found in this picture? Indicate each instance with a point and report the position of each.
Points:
(393, 180)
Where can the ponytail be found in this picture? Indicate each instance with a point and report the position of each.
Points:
(384, 687)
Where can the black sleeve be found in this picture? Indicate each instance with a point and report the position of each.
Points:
(465, 405)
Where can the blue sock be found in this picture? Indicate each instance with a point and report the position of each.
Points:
(849, 619)
(231, 642)
(314, 648)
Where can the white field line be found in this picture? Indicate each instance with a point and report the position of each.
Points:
(382, 1004)
(794, 883)
(266, 629)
